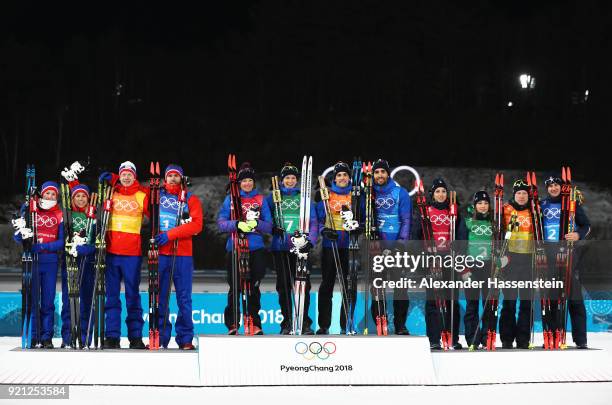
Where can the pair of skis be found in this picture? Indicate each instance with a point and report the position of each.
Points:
(539, 263)
(453, 236)
(299, 239)
(72, 269)
(351, 224)
(30, 280)
(153, 256)
(435, 272)
(570, 196)
(241, 273)
(103, 207)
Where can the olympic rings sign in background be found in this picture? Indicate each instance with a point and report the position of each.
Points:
(312, 350)
(417, 177)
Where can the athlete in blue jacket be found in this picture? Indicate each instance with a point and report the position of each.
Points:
(551, 215)
(393, 211)
(281, 244)
(254, 229)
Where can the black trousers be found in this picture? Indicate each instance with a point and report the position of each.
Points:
(326, 289)
(257, 265)
(284, 264)
(473, 299)
(575, 301)
(511, 327)
(433, 318)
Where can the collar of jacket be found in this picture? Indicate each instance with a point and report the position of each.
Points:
(385, 188)
(252, 193)
(289, 190)
(341, 190)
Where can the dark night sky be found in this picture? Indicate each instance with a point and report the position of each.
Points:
(422, 83)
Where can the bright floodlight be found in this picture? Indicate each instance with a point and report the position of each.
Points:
(510, 104)
(586, 93)
(524, 79)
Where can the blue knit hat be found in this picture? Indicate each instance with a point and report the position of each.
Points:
(79, 188)
(49, 185)
(172, 168)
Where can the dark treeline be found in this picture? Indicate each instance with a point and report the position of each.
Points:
(422, 83)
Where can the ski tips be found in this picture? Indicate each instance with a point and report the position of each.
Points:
(154, 168)
(418, 185)
(531, 179)
(499, 180)
(231, 161)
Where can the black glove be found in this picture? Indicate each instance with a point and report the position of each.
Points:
(306, 248)
(276, 231)
(329, 234)
(359, 230)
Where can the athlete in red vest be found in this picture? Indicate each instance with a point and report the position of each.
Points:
(124, 256)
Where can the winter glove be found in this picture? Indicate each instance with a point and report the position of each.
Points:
(18, 223)
(358, 231)
(106, 176)
(85, 250)
(39, 247)
(161, 239)
(329, 234)
(17, 237)
(307, 247)
(245, 227)
(276, 231)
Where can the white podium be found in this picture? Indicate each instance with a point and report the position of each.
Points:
(314, 360)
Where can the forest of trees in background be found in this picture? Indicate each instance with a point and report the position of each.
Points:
(423, 83)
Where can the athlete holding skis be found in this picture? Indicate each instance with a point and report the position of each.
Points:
(440, 313)
(82, 227)
(180, 218)
(478, 233)
(393, 212)
(284, 262)
(520, 252)
(333, 234)
(48, 231)
(124, 257)
(553, 210)
(253, 206)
